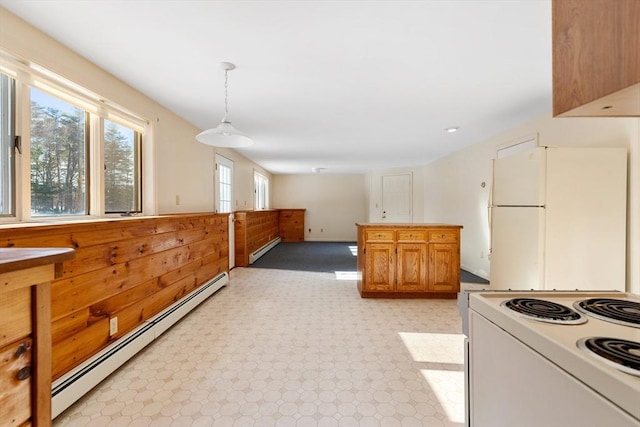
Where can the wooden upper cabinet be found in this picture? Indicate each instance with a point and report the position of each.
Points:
(596, 58)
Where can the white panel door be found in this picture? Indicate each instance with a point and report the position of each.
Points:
(396, 198)
(516, 248)
(224, 198)
(519, 179)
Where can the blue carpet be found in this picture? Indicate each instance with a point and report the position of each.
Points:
(310, 256)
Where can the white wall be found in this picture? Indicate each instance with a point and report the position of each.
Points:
(453, 191)
(374, 181)
(182, 167)
(333, 203)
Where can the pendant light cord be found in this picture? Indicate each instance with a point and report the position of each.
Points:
(226, 91)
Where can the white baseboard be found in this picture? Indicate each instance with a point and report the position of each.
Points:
(67, 389)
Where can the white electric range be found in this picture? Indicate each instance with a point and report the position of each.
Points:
(525, 370)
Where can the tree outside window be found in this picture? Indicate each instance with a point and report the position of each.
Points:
(58, 157)
(121, 168)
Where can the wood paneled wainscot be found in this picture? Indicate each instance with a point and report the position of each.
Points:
(129, 269)
(409, 260)
(253, 230)
(25, 333)
(292, 225)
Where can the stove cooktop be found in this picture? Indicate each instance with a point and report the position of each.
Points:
(621, 354)
(570, 346)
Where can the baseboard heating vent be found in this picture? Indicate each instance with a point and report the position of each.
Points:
(67, 389)
(263, 250)
(166, 318)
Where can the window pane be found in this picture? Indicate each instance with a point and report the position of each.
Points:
(7, 170)
(261, 186)
(121, 168)
(224, 190)
(58, 157)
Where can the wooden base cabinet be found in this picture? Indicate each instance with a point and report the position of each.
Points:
(380, 264)
(412, 267)
(25, 333)
(408, 260)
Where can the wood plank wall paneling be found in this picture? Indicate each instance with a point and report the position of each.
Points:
(126, 268)
(253, 230)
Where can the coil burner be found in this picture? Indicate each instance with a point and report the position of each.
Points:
(622, 354)
(544, 311)
(621, 312)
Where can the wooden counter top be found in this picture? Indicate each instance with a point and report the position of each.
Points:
(14, 259)
(406, 225)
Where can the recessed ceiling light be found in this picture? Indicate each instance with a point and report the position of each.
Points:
(452, 129)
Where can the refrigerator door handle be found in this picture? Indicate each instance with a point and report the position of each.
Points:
(489, 207)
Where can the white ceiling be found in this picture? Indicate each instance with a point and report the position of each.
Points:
(344, 85)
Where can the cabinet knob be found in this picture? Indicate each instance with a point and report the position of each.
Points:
(23, 373)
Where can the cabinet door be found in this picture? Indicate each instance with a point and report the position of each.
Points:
(15, 383)
(444, 267)
(412, 267)
(380, 262)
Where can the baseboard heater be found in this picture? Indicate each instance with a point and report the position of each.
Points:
(263, 250)
(67, 389)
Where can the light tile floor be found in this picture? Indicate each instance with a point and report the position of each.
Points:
(291, 348)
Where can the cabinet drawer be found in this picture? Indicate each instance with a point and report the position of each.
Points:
(412, 235)
(379, 235)
(15, 383)
(443, 236)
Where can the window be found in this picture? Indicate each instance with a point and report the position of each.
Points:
(261, 189)
(121, 168)
(59, 141)
(83, 153)
(224, 168)
(7, 156)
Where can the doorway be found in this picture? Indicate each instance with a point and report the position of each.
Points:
(224, 199)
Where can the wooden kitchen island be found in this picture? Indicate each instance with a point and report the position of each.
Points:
(25, 333)
(408, 260)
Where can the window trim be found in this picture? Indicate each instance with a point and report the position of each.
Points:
(9, 84)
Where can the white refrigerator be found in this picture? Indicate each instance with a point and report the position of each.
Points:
(558, 219)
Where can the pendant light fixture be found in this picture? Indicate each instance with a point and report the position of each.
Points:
(224, 135)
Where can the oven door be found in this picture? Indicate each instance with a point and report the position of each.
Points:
(510, 384)
(467, 409)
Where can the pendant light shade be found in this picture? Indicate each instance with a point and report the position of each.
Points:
(224, 135)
